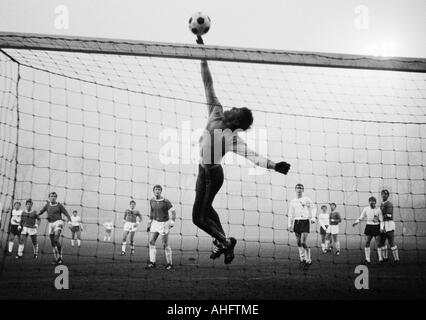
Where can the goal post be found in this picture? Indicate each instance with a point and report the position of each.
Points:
(101, 121)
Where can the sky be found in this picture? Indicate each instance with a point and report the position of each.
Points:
(373, 27)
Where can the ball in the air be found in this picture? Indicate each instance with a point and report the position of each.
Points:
(199, 23)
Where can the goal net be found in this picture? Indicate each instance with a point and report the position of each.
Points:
(100, 122)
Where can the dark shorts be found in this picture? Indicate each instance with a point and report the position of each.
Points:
(372, 230)
(301, 226)
(14, 230)
(75, 229)
(322, 231)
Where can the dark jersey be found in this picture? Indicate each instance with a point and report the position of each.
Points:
(130, 215)
(54, 212)
(160, 209)
(335, 216)
(29, 219)
(387, 210)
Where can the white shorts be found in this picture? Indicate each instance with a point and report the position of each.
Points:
(389, 225)
(58, 225)
(130, 226)
(333, 229)
(162, 228)
(29, 231)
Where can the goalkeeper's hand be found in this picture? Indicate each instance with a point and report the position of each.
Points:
(355, 223)
(19, 228)
(313, 220)
(148, 229)
(282, 167)
(290, 229)
(199, 40)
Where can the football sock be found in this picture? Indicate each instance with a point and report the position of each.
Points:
(10, 246)
(152, 253)
(395, 253)
(327, 244)
(72, 242)
(78, 242)
(123, 246)
(379, 253)
(323, 246)
(367, 253)
(337, 245)
(301, 253)
(35, 248)
(385, 252)
(308, 255)
(55, 253)
(168, 254)
(59, 249)
(20, 250)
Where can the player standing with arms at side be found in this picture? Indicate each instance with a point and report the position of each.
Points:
(55, 210)
(372, 229)
(14, 226)
(302, 212)
(76, 227)
(29, 224)
(335, 219)
(221, 136)
(388, 230)
(159, 224)
(324, 221)
(132, 218)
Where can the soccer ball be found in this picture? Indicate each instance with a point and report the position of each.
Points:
(199, 23)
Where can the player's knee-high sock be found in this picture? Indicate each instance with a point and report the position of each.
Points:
(385, 251)
(337, 244)
(152, 253)
(10, 246)
(35, 248)
(132, 245)
(20, 250)
(168, 254)
(72, 242)
(78, 242)
(395, 253)
(301, 253)
(379, 253)
(327, 244)
(123, 246)
(367, 253)
(308, 254)
(323, 247)
(59, 248)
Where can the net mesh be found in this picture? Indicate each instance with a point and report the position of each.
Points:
(102, 129)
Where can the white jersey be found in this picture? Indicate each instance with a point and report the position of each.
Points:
(16, 217)
(324, 220)
(374, 215)
(108, 225)
(301, 209)
(75, 221)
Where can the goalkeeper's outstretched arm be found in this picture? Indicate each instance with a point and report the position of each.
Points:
(212, 100)
(240, 147)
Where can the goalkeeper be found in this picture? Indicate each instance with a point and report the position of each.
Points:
(221, 136)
